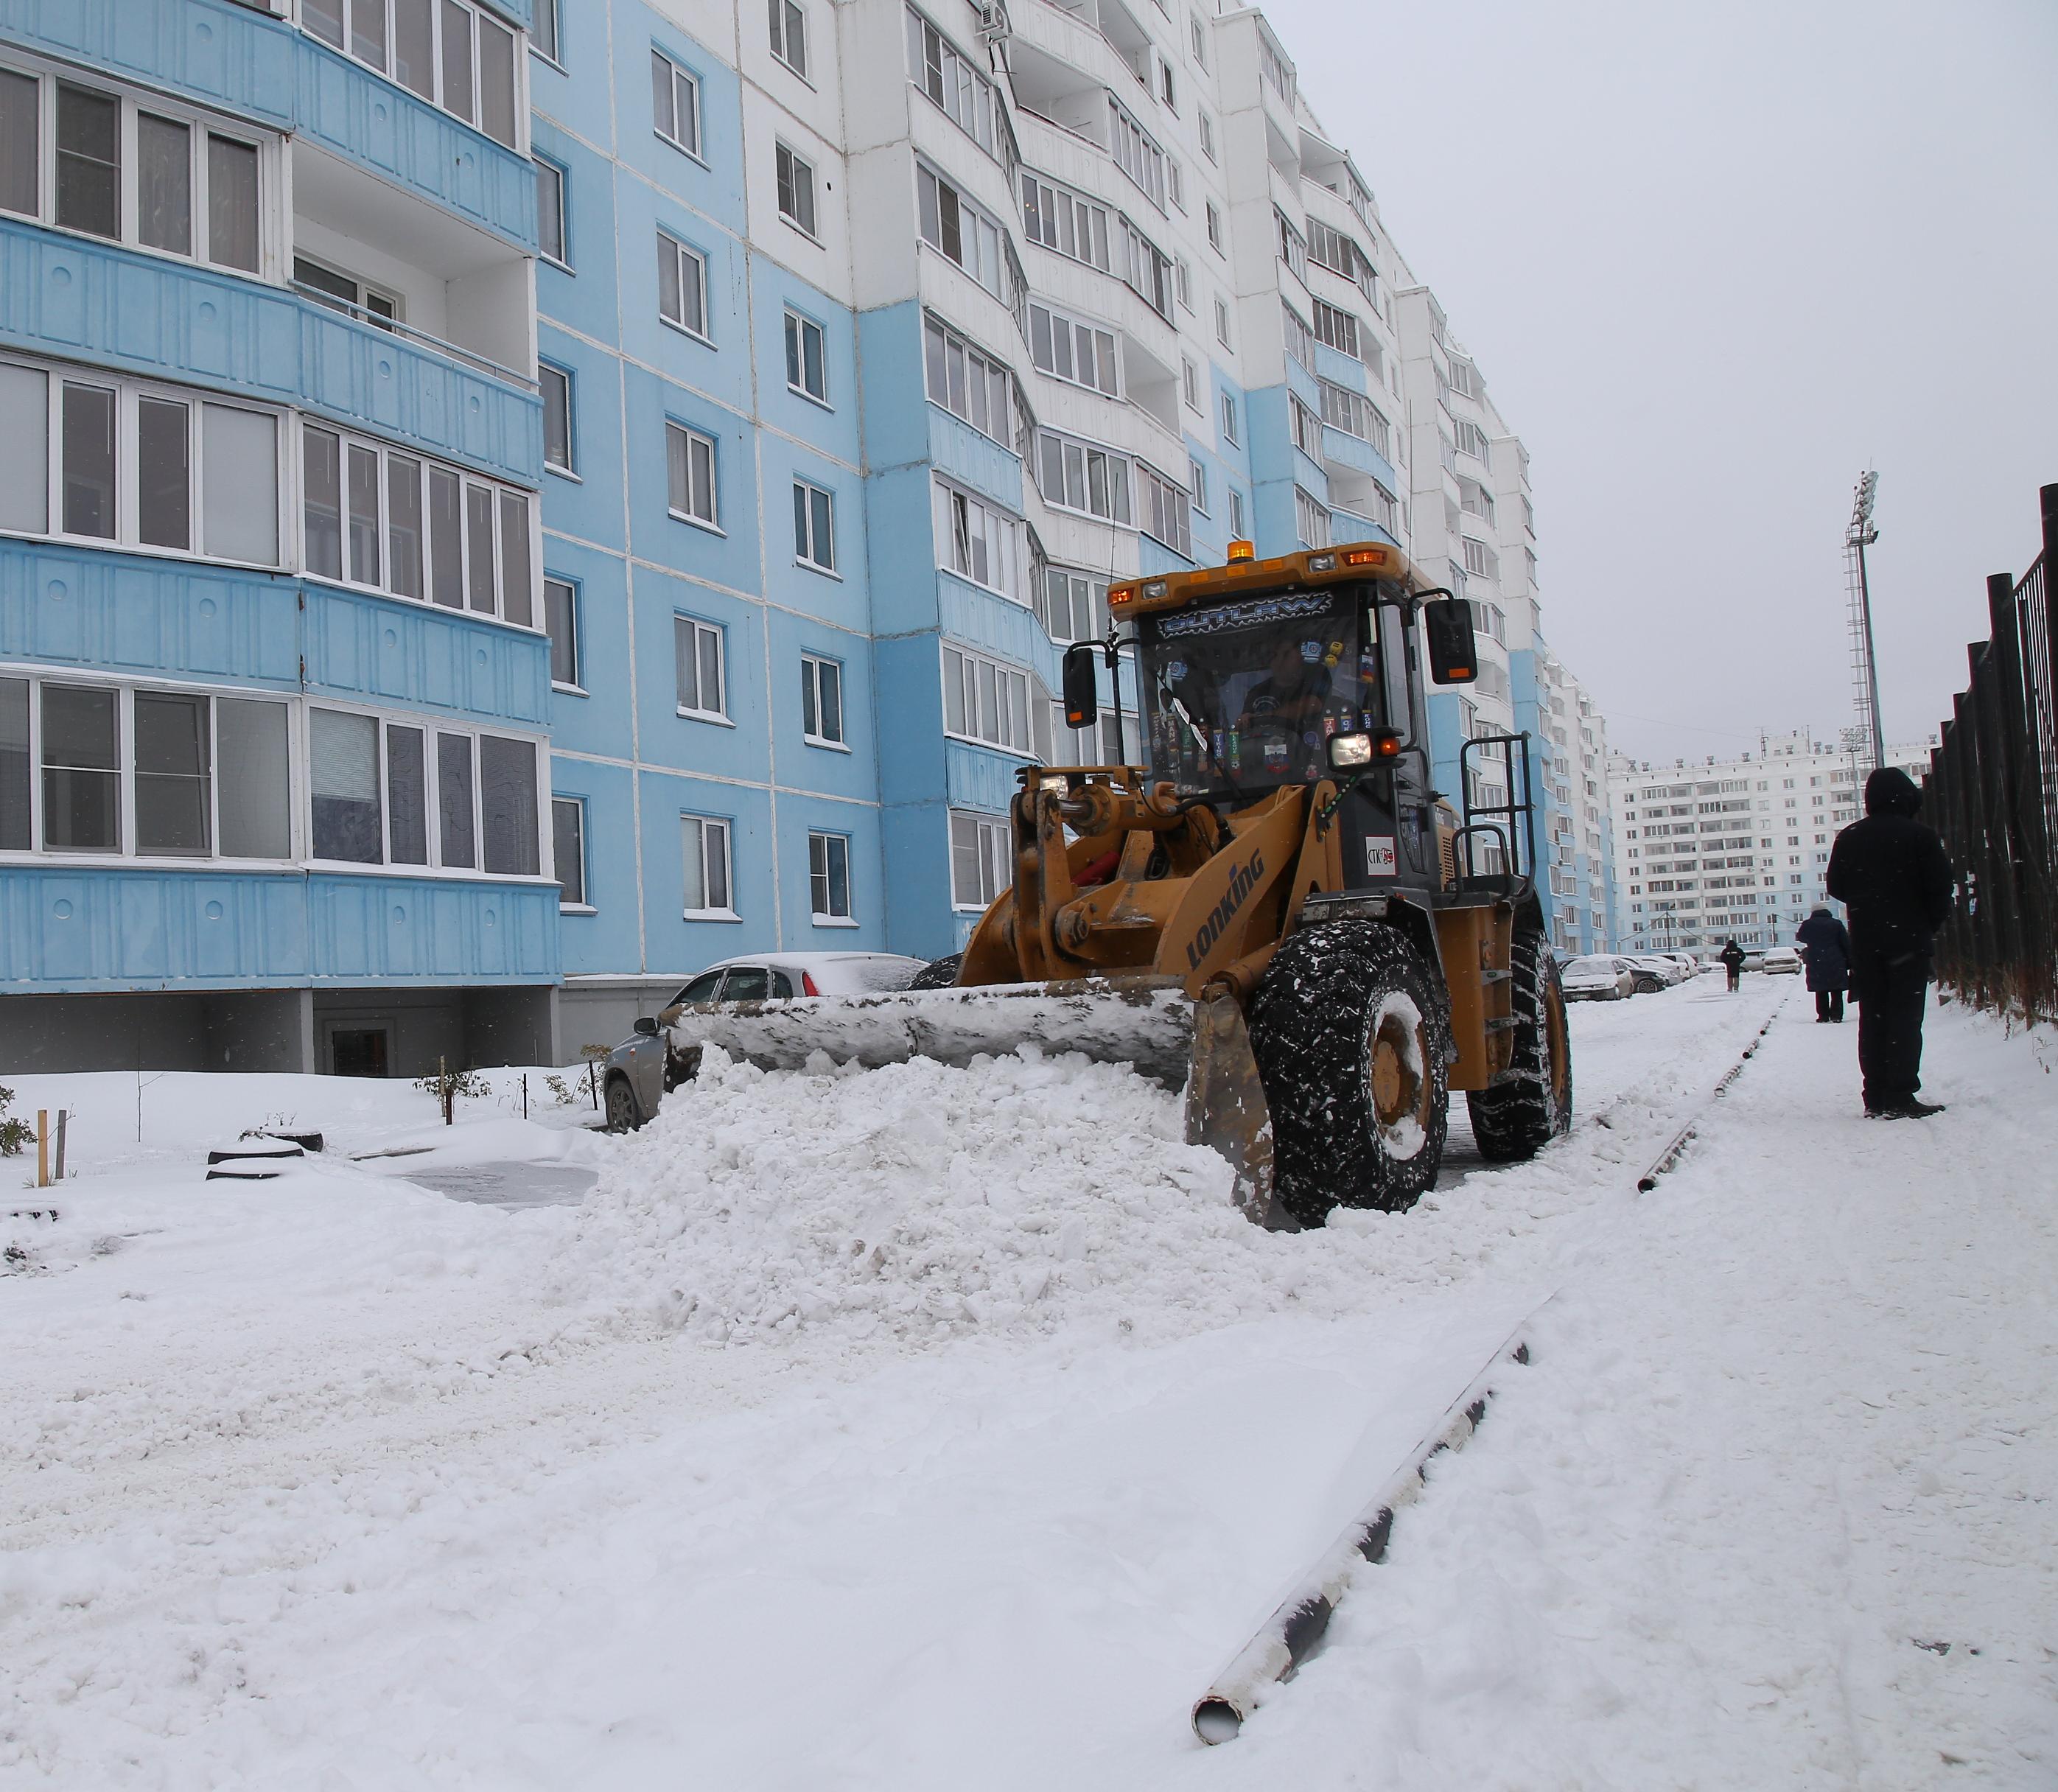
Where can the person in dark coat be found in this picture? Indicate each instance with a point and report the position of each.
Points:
(1732, 957)
(1894, 879)
(1827, 949)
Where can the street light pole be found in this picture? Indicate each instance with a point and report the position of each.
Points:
(1864, 665)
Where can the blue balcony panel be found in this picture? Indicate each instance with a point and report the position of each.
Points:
(226, 55)
(1347, 449)
(66, 930)
(128, 613)
(366, 119)
(360, 647)
(168, 321)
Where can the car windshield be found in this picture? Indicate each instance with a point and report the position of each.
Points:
(1596, 967)
(1243, 696)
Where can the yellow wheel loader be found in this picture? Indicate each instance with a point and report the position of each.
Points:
(1275, 910)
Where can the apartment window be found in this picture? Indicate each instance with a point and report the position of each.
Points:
(551, 212)
(1190, 382)
(346, 293)
(1069, 349)
(1146, 270)
(1165, 517)
(675, 104)
(967, 382)
(709, 894)
(1197, 476)
(681, 286)
(1293, 246)
(556, 386)
(975, 541)
(806, 357)
(1300, 340)
(828, 876)
(981, 859)
(1222, 322)
(951, 222)
(1385, 508)
(1471, 438)
(689, 465)
(796, 189)
(814, 534)
(965, 96)
(568, 850)
(560, 622)
(395, 522)
(1480, 560)
(387, 793)
(1175, 183)
(1229, 419)
(144, 174)
(1208, 138)
(789, 36)
(699, 664)
(1078, 476)
(1310, 519)
(1236, 528)
(1074, 605)
(985, 700)
(543, 32)
(1167, 91)
(1330, 248)
(1199, 34)
(1063, 221)
(821, 701)
(1137, 153)
(1274, 67)
(452, 55)
(158, 468)
(1336, 328)
(1215, 227)
(1182, 281)
(1307, 433)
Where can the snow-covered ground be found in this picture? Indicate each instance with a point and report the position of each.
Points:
(929, 1428)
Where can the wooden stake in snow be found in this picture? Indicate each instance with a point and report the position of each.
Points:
(42, 1147)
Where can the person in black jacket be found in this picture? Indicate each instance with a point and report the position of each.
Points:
(1732, 956)
(1891, 874)
(1827, 948)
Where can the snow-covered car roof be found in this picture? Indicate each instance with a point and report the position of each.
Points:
(834, 973)
(1593, 964)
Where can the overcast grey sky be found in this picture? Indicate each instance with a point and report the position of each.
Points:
(1712, 260)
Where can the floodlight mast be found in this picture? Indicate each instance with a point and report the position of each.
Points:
(1857, 594)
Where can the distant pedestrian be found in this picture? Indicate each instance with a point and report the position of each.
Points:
(1891, 874)
(1732, 957)
(1827, 948)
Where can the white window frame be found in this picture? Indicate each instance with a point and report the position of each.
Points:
(551, 180)
(499, 496)
(1236, 518)
(572, 645)
(789, 37)
(986, 842)
(1083, 593)
(432, 728)
(799, 328)
(811, 536)
(965, 521)
(482, 21)
(688, 439)
(1074, 455)
(1190, 384)
(940, 205)
(1213, 215)
(128, 397)
(125, 692)
(1311, 519)
(795, 175)
(545, 33)
(709, 828)
(1051, 330)
(129, 102)
(1067, 223)
(952, 83)
(1207, 129)
(679, 74)
(1161, 509)
(1221, 320)
(945, 351)
(574, 808)
(701, 632)
(825, 847)
(991, 699)
(818, 671)
(1339, 329)
(1229, 419)
(1300, 339)
(546, 373)
(688, 268)
(1198, 476)
(1136, 153)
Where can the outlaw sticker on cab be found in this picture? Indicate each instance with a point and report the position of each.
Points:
(1379, 860)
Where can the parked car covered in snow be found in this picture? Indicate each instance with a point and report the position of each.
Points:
(1654, 972)
(641, 1070)
(1599, 978)
(1781, 961)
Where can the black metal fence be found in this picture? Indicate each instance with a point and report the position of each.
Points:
(1993, 794)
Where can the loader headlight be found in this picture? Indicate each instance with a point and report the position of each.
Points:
(1348, 750)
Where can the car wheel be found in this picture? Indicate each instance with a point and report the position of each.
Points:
(624, 1113)
(1648, 986)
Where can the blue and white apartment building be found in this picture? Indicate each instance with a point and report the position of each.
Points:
(503, 502)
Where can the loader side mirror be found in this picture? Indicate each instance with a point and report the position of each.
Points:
(1081, 684)
(1447, 631)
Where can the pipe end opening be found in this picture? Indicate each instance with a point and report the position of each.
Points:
(1216, 1720)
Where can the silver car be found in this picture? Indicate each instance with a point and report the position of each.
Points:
(642, 1069)
(1599, 977)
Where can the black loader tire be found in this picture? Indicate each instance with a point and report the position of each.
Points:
(941, 973)
(1517, 1120)
(1357, 1089)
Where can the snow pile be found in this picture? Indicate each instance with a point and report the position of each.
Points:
(919, 1200)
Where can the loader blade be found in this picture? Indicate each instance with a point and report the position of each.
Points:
(1143, 1021)
(1225, 1107)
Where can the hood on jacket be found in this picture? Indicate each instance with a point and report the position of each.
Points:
(1820, 908)
(1891, 791)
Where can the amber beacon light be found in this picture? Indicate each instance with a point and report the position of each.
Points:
(1242, 551)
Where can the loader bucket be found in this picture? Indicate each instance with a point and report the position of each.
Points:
(1143, 1021)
